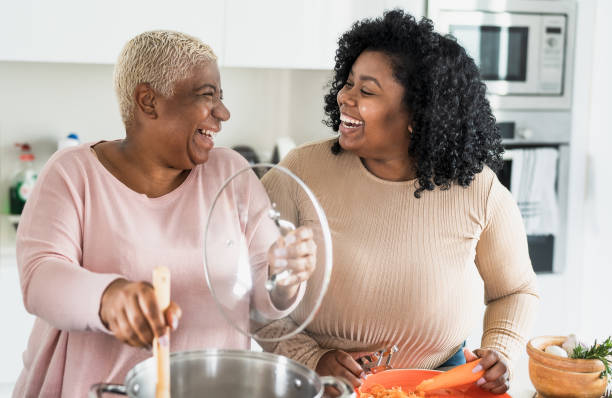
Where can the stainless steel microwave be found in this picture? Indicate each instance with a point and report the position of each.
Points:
(523, 49)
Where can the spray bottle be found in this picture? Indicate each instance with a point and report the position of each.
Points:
(23, 182)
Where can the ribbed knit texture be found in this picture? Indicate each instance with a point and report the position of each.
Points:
(408, 271)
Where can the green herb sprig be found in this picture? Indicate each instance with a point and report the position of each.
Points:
(596, 351)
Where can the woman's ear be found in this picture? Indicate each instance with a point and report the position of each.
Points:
(145, 99)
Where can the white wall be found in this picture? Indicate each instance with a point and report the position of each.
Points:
(597, 277)
(575, 301)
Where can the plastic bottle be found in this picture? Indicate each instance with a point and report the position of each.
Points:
(24, 180)
(71, 139)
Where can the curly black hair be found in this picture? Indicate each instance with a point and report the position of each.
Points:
(453, 129)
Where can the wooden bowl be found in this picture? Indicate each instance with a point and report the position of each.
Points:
(558, 377)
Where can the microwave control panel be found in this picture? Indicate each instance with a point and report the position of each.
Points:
(552, 47)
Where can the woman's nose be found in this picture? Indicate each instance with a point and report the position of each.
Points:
(221, 112)
(345, 97)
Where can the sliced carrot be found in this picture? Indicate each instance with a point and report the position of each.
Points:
(458, 376)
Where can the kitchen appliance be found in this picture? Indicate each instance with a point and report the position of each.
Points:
(524, 48)
(536, 171)
(228, 374)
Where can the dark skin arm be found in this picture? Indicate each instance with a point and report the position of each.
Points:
(339, 363)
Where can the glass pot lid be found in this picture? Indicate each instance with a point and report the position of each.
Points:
(255, 256)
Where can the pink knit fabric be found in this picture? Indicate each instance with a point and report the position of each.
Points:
(82, 228)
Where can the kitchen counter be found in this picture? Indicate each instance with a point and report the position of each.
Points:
(521, 386)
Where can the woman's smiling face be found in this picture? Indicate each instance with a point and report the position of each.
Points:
(375, 124)
(191, 117)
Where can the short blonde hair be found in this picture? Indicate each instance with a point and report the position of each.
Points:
(159, 58)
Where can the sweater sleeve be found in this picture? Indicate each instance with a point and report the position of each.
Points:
(502, 258)
(56, 286)
(285, 194)
(301, 347)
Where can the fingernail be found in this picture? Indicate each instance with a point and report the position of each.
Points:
(164, 341)
(280, 252)
(362, 375)
(280, 262)
(174, 323)
(481, 381)
(477, 368)
(289, 239)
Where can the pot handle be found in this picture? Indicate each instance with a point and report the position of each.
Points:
(346, 389)
(97, 390)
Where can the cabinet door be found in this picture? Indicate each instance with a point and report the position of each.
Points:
(95, 31)
(296, 34)
(17, 322)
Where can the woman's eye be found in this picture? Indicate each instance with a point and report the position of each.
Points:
(366, 92)
(208, 94)
(348, 84)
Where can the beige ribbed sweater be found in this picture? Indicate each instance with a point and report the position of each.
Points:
(408, 271)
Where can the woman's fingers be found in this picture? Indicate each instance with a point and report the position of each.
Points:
(295, 252)
(125, 332)
(347, 367)
(138, 322)
(302, 233)
(502, 388)
(489, 358)
(469, 355)
(340, 364)
(173, 315)
(147, 304)
(495, 378)
(301, 249)
(350, 364)
(130, 311)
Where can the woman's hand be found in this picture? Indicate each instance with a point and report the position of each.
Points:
(339, 363)
(297, 253)
(130, 311)
(495, 378)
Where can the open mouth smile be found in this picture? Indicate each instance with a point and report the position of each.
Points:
(348, 123)
(208, 133)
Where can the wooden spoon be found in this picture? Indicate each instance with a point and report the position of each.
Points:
(161, 352)
(457, 376)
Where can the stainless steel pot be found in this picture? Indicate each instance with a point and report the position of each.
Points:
(227, 374)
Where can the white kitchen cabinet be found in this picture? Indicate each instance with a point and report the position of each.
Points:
(95, 31)
(16, 322)
(296, 34)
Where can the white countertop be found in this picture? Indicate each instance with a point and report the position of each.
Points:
(520, 385)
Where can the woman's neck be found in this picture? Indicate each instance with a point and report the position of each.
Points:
(139, 169)
(400, 169)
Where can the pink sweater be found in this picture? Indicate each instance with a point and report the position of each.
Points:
(82, 228)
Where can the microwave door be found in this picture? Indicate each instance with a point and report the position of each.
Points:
(504, 46)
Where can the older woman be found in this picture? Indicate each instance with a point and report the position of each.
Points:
(419, 219)
(103, 216)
